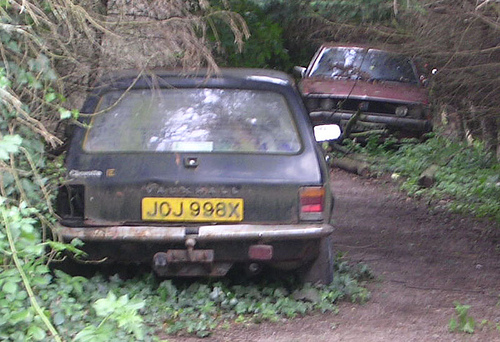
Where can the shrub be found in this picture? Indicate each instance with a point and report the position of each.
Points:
(468, 175)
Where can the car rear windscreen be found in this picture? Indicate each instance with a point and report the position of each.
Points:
(193, 120)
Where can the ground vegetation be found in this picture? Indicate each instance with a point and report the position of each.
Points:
(458, 176)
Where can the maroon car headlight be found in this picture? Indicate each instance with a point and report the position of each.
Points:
(416, 112)
(312, 203)
(327, 104)
(402, 111)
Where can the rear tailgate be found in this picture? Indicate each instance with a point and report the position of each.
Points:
(164, 189)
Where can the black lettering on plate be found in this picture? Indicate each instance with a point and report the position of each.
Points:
(208, 209)
(195, 209)
(233, 210)
(220, 209)
(153, 214)
(181, 210)
(162, 209)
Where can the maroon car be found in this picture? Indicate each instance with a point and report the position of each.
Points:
(383, 87)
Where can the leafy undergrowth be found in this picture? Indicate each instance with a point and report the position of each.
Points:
(467, 178)
(103, 308)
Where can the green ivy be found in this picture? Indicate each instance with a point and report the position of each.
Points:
(9, 144)
(115, 313)
(468, 176)
(23, 273)
(143, 308)
(30, 97)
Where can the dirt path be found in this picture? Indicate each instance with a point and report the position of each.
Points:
(424, 261)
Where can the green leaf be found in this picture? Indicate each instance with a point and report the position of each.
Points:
(469, 326)
(19, 316)
(59, 318)
(4, 81)
(75, 113)
(122, 301)
(77, 242)
(21, 295)
(64, 113)
(49, 97)
(105, 306)
(9, 287)
(9, 144)
(37, 333)
(87, 334)
(70, 247)
(452, 325)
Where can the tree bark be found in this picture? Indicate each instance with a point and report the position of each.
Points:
(498, 139)
(490, 133)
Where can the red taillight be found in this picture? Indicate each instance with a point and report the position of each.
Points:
(312, 203)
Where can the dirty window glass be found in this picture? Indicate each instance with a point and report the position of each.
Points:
(357, 63)
(193, 120)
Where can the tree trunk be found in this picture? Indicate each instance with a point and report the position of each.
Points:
(489, 133)
(498, 139)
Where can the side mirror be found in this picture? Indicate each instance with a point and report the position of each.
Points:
(327, 132)
(299, 71)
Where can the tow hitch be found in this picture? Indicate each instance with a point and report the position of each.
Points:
(189, 262)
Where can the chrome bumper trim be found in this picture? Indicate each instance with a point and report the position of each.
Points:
(205, 233)
(407, 123)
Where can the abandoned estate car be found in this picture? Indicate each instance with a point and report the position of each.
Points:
(383, 88)
(195, 174)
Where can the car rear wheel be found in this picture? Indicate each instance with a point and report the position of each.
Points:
(320, 270)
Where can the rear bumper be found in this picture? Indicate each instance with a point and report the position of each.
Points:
(210, 233)
(204, 251)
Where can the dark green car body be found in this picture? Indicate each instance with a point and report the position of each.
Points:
(195, 173)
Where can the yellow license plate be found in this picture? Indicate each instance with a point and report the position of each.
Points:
(175, 209)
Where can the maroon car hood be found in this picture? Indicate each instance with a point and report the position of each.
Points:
(383, 91)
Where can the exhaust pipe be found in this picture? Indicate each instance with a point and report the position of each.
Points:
(160, 260)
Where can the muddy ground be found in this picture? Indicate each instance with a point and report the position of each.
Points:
(424, 259)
